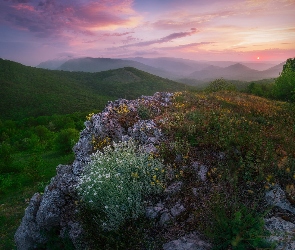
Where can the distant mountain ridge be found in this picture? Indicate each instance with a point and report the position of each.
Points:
(178, 68)
(237, 71)
(89, 64)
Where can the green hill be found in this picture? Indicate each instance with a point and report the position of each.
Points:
(28, 91)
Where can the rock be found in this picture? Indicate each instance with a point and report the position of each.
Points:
(56, 209)
(165, 218)
(28, 234)
(191, 241)
(177, 210)
(282, 232)
(201, 170)
(153, 212)
(174, 188)
(277, 197)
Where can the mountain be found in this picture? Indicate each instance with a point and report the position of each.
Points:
(176, 68)
(28, 91)
(53, 64)
(179, 66)
(89, 64)
(236, 71)
(275, 70)
(260, 65)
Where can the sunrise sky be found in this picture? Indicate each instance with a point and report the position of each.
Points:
(32, 31)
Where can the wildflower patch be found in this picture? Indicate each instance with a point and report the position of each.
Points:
(116, 182)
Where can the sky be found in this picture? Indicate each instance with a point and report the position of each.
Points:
(33, 31)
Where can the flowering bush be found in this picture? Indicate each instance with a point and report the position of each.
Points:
(116, 181)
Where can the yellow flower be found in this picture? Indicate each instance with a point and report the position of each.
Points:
(134, 175)
(152, 183)
(154, 177)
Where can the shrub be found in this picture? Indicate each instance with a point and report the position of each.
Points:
(238, 228)
(115, 183)
(66, 140)
(220, 84)
(6, 158)
(284, 87)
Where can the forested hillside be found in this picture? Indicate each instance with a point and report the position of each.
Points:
(28, 91)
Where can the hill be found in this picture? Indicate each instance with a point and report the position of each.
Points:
(236, 71)
(195, 171)
(195, 72)
(89, 64)
(28, 91)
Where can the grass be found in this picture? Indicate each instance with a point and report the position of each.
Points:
(16, 197)
(246, 142)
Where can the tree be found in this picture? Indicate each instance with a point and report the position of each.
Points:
(284, 87)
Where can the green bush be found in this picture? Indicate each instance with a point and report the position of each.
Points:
(6, 158)
(115, 183)
(66, 139)
(237, 227)
(284, 87)
(219, 85)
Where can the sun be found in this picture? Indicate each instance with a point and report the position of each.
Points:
(257, 58)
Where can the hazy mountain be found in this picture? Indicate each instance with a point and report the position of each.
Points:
(179, 66)
(260, 65)
(28, 91)
(53, 64)
(185, 67)
(275, 70)
(89, 64)
(237, 71)
(175, 68)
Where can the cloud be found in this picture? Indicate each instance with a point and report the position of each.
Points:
(47, 18)
(118, 34)
(165, 39)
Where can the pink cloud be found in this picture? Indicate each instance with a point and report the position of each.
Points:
(165, 39)
(23, 6)
(55, 17)
(118, 34)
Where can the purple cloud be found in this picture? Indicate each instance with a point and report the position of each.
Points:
(54, 17)
(163, 39)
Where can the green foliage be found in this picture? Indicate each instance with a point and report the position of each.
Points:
(6, 158)
(219, 85)
(28, 91)
(237, 228)
(115, 183)
(56, 242)
(261, 88)
(28, 161)
(66, 139)
(284, 87)
(144, 113)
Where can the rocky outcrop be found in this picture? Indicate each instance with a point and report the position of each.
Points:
(281, 224)
(55, 210)
(54, 213)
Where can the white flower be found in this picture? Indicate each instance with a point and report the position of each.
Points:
(106, 207)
